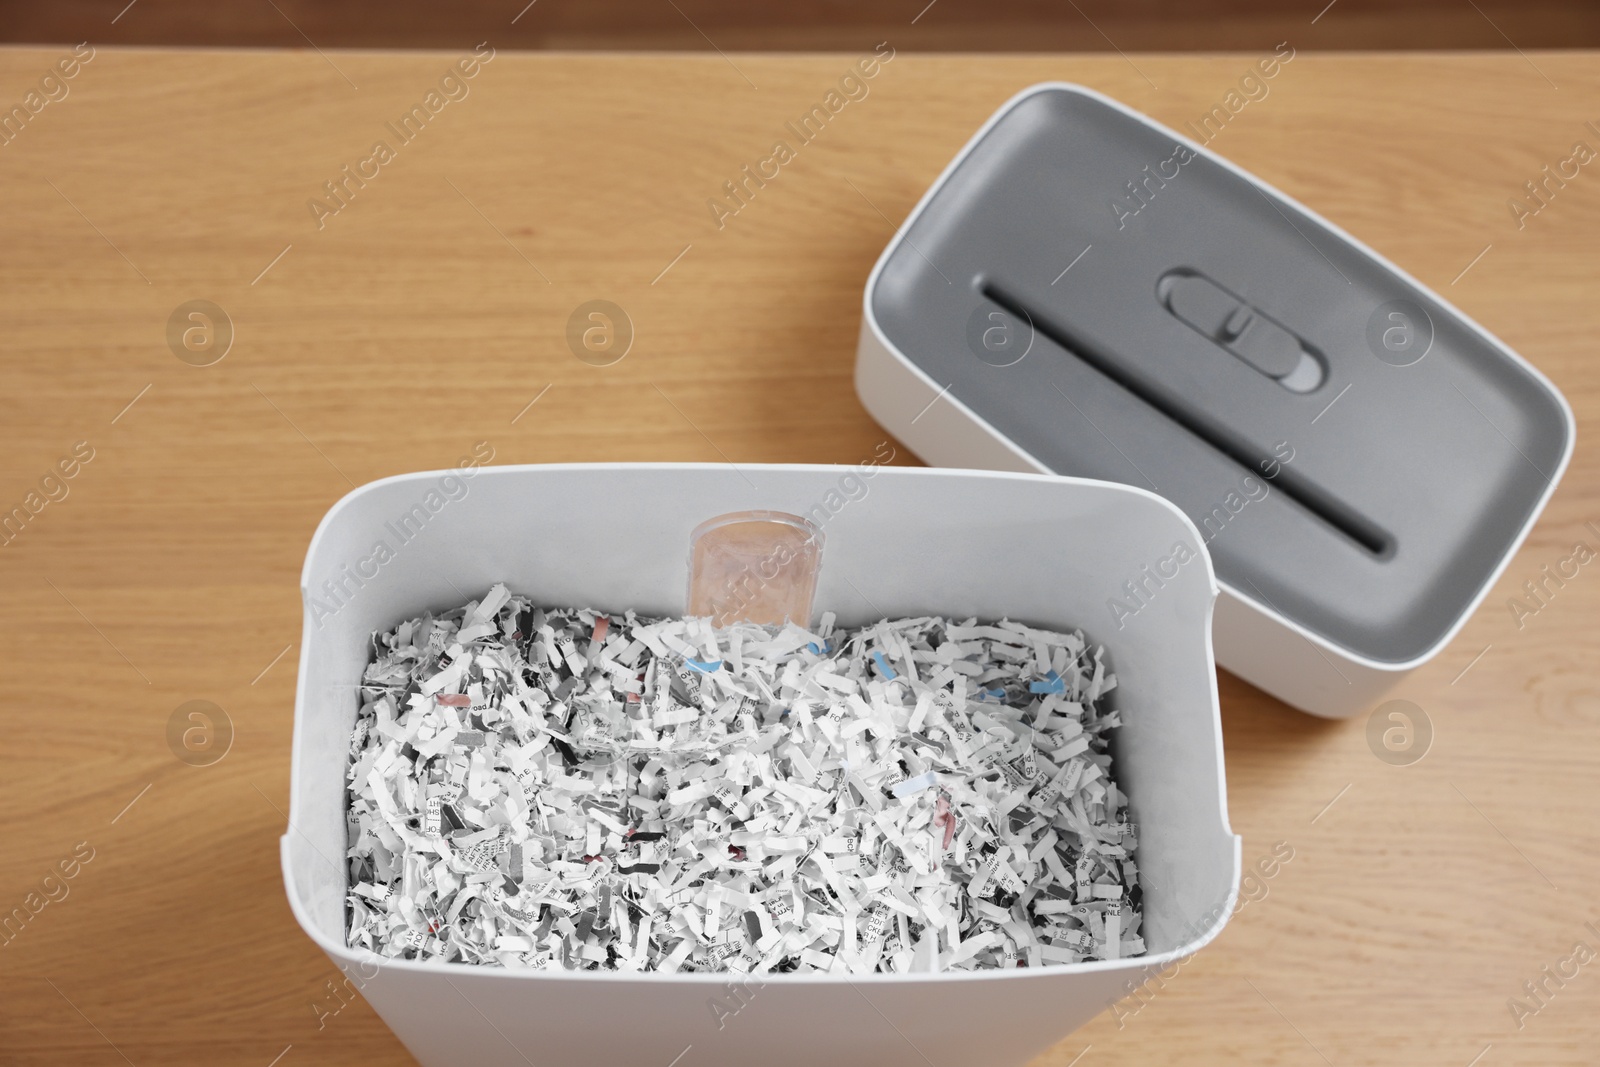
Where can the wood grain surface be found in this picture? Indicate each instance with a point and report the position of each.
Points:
(432, 310)
(816, 25)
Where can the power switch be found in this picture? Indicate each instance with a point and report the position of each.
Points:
(1267, 347)
(1245, 331)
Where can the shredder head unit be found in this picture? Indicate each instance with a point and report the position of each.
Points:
(1086, 292)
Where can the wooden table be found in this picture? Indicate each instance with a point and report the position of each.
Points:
(431, 311)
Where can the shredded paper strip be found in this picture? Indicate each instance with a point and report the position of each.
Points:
(567, 789)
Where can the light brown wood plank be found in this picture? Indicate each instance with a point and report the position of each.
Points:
(408, 328)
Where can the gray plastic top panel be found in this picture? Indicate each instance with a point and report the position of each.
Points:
(1359, 458)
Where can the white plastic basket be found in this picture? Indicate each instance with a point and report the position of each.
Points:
(1042, 550)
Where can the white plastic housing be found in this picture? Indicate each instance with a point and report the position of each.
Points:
(899, 542)
(1253, 640)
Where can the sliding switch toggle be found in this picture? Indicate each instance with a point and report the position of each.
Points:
(1245, 331)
